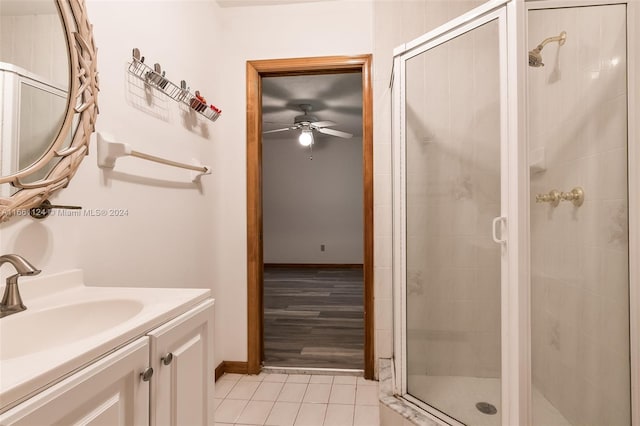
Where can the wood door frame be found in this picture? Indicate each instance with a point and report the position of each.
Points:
(288, 67)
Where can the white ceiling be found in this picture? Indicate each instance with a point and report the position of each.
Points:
(333, 97)
(244, 3)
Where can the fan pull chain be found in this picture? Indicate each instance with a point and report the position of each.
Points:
(311, 152)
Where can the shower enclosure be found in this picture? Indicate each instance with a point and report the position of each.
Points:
(516, 216)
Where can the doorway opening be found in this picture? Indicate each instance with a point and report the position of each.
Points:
(256, 72)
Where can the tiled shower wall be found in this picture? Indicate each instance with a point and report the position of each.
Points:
(453, 193)
(580, 299)
(42, 48)
(395, 22)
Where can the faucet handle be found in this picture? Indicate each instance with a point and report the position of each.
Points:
(11, 300)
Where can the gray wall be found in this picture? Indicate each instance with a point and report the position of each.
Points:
(307, 203)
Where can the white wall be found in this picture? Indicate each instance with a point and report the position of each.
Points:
(251, 33)
(165, 239)
(307, 202)
(201, 237)
(176, 234)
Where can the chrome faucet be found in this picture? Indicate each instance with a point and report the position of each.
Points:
(11, 301)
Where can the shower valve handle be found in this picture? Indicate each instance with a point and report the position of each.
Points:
(553, 197)
(576, 196)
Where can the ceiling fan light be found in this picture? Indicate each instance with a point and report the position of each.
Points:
(306, 138)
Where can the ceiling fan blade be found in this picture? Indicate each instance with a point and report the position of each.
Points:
(278, 130)
(337, 133)
(323, 124)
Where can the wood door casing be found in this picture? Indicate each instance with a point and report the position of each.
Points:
(287, 67)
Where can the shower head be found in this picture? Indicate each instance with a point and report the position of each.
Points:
(535, 57)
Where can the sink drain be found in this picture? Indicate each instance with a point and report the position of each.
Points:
(486, 408)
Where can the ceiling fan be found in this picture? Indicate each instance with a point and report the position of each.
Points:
(307, 123)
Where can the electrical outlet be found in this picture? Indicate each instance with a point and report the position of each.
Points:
(321, 247)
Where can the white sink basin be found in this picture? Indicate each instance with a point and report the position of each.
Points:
(68, 325)
(28, 331)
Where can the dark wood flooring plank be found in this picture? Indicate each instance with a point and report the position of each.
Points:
(313, 318)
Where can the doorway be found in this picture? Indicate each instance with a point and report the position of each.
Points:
(256, 70)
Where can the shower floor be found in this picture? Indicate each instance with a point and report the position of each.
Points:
(454, 394)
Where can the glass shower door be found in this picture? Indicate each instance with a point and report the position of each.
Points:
(452, 150)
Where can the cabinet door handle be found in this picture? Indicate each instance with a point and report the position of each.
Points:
(146, 374)
(166, 360)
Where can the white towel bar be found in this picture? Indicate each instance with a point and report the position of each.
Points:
(109, 151)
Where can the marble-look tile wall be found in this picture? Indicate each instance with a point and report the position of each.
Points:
(580, 299)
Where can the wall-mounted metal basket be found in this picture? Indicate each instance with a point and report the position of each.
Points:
(155, 77)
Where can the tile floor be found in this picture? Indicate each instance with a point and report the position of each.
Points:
(296, 400)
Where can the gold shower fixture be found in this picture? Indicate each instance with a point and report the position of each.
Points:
(576, 196)
(553, 198)
(535, 57)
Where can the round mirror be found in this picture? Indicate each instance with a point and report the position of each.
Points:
(48, 95)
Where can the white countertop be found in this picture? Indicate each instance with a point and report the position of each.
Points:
(23, 375)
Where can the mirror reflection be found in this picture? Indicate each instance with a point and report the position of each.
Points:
(34, 80)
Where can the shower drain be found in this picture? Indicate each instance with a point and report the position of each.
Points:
(486, 408)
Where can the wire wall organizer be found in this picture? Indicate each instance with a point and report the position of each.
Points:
(155, 77)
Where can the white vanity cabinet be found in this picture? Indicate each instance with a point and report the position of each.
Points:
(112, 391)
(108, 392)
(182, 361)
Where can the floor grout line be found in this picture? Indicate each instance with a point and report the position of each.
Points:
(296, 417)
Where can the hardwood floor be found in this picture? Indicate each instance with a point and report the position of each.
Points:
(313, 318)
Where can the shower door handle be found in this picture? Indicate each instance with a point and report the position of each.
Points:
(494, 234)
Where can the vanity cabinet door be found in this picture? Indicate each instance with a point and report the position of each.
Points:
(108, 392)
(182, 359)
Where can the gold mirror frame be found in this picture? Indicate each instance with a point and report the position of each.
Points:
(82, 107)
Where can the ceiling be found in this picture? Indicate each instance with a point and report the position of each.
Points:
(244, 3)
(333, 97)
